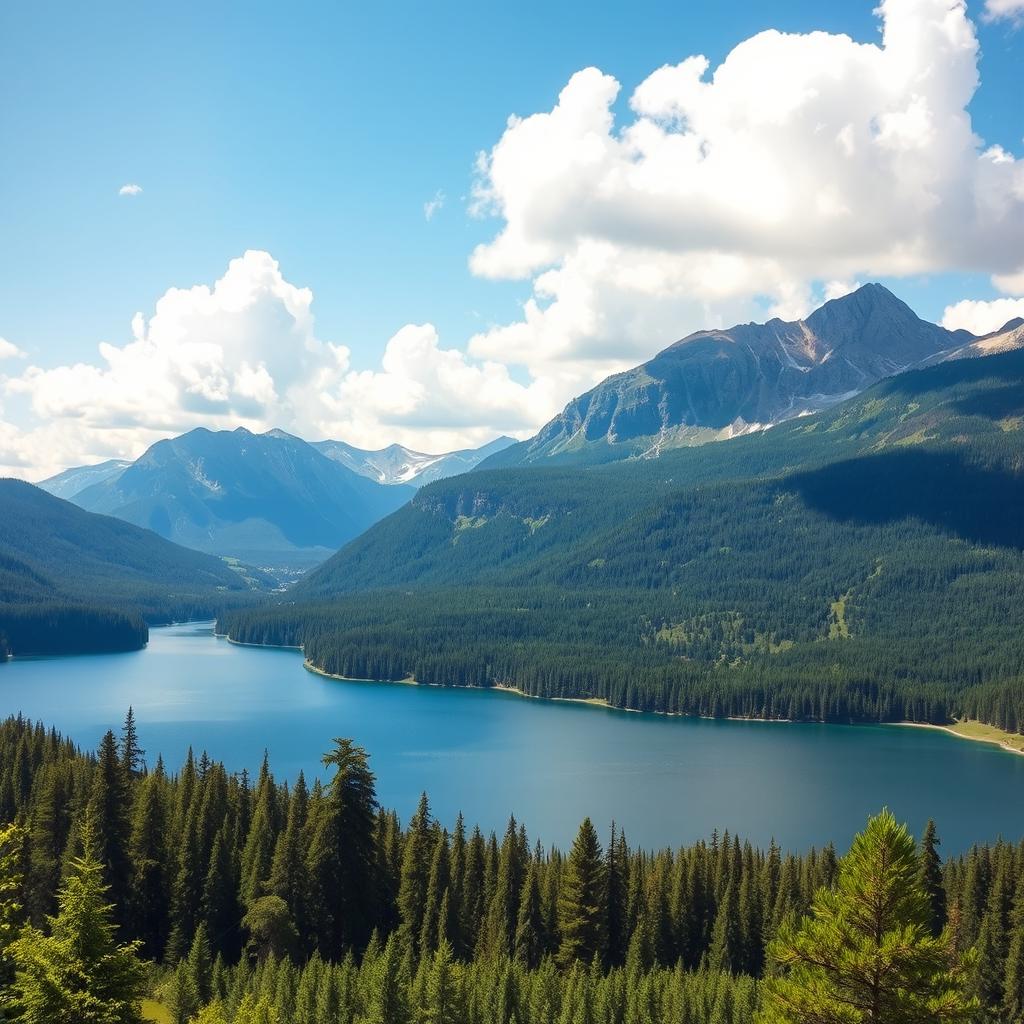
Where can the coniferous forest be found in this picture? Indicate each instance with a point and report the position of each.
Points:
(230, 899)
(864, 564)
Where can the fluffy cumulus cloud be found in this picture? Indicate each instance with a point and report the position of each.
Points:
(244, 351)
(131, 189)
(980, 317)
(800, 165)
(761, 185)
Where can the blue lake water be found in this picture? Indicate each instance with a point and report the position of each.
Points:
(665, 780)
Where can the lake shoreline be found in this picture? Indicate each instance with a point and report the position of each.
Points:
(594, 702)
(974, 732)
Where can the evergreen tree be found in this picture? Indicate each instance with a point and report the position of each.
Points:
(131, 753)
(11, 911)
(149, 895)
(443, 997)
(582, 900)
(866, 953)
(930, 879)
(415, 877)
(529, 944)
(108, 806)
(78, 972)
(1013, 975)
(386, 997)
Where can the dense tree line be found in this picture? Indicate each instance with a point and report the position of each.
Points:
(265, 901)
(861, 565)
(75, 582)
(68, 629)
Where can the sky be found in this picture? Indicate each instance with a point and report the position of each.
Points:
(437, 223)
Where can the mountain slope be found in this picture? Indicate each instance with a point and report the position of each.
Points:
(865, 562)
(717, 384)
(268, 499)
(75, 480)
(399, 465)
(59, 563)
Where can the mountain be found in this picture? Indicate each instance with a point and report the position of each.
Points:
(718, 384)
(267, 499)
(89, 577)
(75, 480)
(864, 562)
(399, 465)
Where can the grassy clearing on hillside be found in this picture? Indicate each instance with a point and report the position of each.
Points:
(156, 1012)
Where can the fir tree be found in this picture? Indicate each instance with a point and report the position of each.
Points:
(582, 900)
(866, 953)
(108, 806)
(149, 896)
(131, 753)
(11, 911)
(78, 972)
(529, 944)
(930, 879)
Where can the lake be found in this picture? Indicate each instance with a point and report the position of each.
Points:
(665, 780)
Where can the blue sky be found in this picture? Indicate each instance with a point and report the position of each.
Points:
(316, 133)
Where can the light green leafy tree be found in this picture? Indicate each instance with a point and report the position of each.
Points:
(866, 953)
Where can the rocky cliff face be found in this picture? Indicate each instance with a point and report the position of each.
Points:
(716, 384)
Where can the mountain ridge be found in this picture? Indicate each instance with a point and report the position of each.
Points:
(720, 383)
(267, 499)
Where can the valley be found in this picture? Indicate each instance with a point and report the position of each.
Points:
(487, 754)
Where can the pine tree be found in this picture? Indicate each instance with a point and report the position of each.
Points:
(930, 879)
(1013, 975)
(529, 944)
(726, 940)
(149, 892)
(78, 972)
(11, 911)
(866, 953)
(258, 854)
(220, 910)
(288, 877)
(131, 753)
(443, 998)
(108, 806)
(582, 900)
(415, 878)
(435, 927)
(386, 997)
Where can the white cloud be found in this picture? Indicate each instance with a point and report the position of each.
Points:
(980, 317)
(1009, 9)
(800, 161)
(798, 166)
(837, 289)
(245, 352)
(130, 189)
(434, 204)
(8, 350)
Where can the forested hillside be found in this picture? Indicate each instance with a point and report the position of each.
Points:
(313, 905)
(71, 581)
(864, 563)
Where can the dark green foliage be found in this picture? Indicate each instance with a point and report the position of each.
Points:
(419, 924)
(78, 971)
(864, 564)
(582, 901)
(75, 582)
(866, 952)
